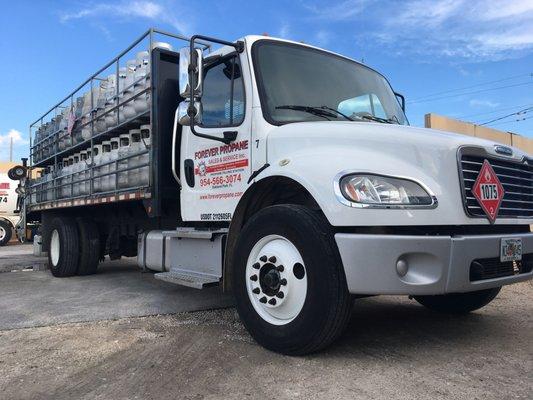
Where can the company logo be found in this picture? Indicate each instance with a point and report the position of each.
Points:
(504, 150)
(488, 191)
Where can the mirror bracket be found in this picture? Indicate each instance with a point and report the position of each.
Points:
(229, 136)
(402, 100)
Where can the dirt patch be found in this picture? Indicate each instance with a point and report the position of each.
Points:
(393, 348)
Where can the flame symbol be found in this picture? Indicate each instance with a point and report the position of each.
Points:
(487, 175)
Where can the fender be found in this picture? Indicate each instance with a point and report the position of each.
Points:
(269, 190)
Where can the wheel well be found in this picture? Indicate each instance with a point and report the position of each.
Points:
(8, 222)
(267, 192)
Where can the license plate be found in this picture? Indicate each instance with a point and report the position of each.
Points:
(510, 250)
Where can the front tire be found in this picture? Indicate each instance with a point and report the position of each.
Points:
(288, 280)
(459, 303)
(5, 232)
(63, 247)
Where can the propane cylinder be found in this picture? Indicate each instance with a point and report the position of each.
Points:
(65, 189)
(78, 111)
(96, 157)
(86, 130)
(113, 166)
(82, 172)
(134, 161)
(146, 140)
(162, 45)
(123, 152)
(127, 111)
(110, 102)
(142, 69)
(104, 169)
(87, 171)
(49, 194)
(142, 79)
(75, 176)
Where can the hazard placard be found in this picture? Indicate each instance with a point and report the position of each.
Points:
(488, 191)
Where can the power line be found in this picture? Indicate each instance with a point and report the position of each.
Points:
(494, 111)
(530, 74)
(474, 92)
(515, 120)
(523, 111)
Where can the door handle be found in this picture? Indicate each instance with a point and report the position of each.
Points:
(189, 171)
(174, 172)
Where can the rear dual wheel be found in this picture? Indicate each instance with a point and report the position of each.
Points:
(289, 285)
(74, 247)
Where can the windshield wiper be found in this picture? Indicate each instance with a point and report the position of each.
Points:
(377, 119)
(322, 111)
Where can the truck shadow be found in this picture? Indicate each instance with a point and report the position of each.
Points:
(394, 328)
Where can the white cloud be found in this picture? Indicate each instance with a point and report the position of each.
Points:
(345, 10)
(5, 141)
(128, 9)
(458, 30)
(323, 37)
(479, 103)
(284, 31)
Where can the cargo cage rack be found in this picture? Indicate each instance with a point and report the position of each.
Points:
(46, 151)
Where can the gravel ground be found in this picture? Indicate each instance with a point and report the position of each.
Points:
(393, 349)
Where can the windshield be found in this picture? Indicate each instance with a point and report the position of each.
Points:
(298, 83)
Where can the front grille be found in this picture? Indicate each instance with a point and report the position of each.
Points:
(491, 268)
(516, 178)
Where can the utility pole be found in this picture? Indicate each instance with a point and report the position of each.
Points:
(11, 149)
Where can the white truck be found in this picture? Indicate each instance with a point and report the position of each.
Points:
(285, 173)
(10, 174)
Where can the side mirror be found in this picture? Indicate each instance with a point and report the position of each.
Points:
(184, 118)
(193, 65)
(401, 100)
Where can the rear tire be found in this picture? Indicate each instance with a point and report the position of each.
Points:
(5, 232)
(63, 247)
(459, 303)
(315, 305)
(89, 246)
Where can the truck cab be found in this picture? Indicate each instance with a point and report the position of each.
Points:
(300, 185)
(322, 150)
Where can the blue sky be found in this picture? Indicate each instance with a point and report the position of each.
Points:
(427, 48)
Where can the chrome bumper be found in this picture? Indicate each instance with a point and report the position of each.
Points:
(428, 264)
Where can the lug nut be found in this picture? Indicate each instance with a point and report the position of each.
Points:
(280, 295)
(263, 258)
(283, 282)
(272, 259)
(263, 299)
(272, 301)
(256, 266)
(253, 278)
(256, 290)
(281, 268)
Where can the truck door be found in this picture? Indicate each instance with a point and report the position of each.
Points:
(215, 174)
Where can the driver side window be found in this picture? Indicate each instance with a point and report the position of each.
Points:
(223, 94)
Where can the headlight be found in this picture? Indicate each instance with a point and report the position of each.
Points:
(383, 191)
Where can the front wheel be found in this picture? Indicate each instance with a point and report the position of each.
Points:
(289, 284)
(459, 303)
